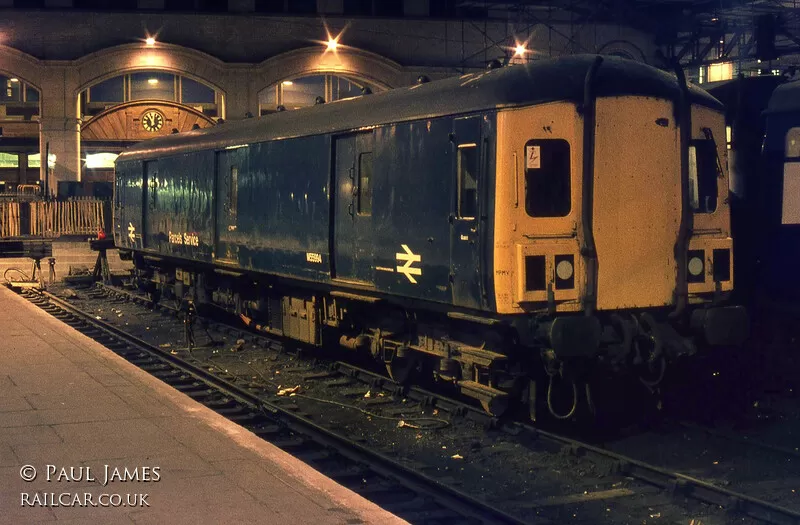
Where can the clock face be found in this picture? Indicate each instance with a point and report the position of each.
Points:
(152, 121)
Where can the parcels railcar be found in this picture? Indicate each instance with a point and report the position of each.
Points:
(492, 228)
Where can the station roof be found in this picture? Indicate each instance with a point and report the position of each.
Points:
(534, 83)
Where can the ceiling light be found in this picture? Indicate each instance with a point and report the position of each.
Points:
(150, 41)
(520, 50)
(152, 81)
(332, 44)
(287, 82)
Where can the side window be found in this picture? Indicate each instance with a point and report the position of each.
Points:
(365, 183)
(467, 169)
(151, 169)
(703, 173)
(790, 212)
(547, 178)
(233, 192)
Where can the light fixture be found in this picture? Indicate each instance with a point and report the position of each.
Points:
(13, 80)
(150, 41)
(519, 50)
(152, 81)
(332, 44)
(287, 82)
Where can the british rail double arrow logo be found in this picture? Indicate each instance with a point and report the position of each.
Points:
(410, 258)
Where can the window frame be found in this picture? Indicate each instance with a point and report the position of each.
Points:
(529, 187)
(460, 186)
(698, 180)
(362, 210)
(791, 160)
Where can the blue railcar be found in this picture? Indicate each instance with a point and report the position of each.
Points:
(483, 225)
(763, 117)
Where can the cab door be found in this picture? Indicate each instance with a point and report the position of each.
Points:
(353, 181)
(231, 165)
(465, 267)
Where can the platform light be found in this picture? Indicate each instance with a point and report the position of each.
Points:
(287, 82)
(152, 81)
(150, 41)
(13, 80)
(100, 160)
(520, 50)
(332, 44)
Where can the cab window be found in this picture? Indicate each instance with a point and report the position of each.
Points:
(704, 169)
(790, 205)
(547, 178)
(467, 181)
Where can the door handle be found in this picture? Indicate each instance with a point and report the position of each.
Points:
(350, 208)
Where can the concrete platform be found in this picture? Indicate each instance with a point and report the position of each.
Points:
(67, 403)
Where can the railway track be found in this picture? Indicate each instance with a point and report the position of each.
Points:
(632, 489)
(402, 491)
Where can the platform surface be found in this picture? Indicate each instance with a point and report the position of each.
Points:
(66, 402)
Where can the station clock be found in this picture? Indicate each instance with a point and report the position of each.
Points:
(152, 121)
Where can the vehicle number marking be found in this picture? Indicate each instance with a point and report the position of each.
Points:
(314, 257)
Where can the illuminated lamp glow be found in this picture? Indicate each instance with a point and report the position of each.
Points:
(332, 44)
(152, 81)
(35, 159)
(150, 41)
(13, 80)
(101, 160)
(520, 50)
(287, 82)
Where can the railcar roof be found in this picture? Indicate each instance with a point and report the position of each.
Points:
(785, 98)
(538, 82)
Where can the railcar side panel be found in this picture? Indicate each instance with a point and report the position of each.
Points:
(177, 196)
(352, 203)
(411, 209)
(283, 212)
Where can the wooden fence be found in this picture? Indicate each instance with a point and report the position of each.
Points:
(9, 219)
(81, 216)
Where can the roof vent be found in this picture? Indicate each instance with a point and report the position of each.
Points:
(281, 107)
(422, 79)
(319, 100)
(366, 90)
(494, 64)
(195, 126)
